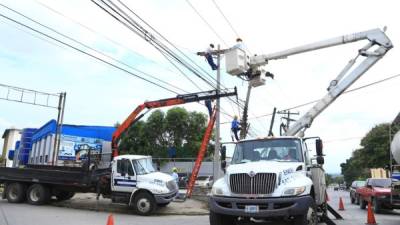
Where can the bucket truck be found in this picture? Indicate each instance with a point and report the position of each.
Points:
(277, 177)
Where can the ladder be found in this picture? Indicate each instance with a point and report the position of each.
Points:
(200, 155)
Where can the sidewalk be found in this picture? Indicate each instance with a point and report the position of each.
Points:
(88, 201)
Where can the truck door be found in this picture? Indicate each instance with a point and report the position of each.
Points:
(123, 176)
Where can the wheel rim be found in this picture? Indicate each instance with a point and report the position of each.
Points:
(13, 193)
(34, 195)
(143, 205)
(311, 216)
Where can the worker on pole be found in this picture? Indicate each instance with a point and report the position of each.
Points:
(235, 127)
(208, 54)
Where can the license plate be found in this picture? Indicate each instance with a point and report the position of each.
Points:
(251, 209)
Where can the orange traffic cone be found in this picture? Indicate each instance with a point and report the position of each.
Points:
(110, 220)
(371, 216)
(341, 206)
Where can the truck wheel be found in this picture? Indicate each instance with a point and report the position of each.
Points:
(363, 203)
(377, 205)
(353, 200)
(310, 218)
(38, 194)
(64, 195)
(219, 219)
(357, 200)
(15, 192)
(144, 204)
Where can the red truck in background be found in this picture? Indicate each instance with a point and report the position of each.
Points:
(381, 192)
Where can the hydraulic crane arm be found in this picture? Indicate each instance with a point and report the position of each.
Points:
(375, 36)
(178, 100)
(346, 78)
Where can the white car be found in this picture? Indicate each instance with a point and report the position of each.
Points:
(204, 181)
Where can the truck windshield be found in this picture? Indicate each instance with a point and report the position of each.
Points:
(269, 149)
(143, 166)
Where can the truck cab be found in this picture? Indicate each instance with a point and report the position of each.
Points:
(268, 178)
(134, 181)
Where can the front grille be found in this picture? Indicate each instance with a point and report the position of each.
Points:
(261, 183)
(172, 186)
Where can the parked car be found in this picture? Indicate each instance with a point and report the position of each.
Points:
(353, 195)
(336, 188)
(381, 193)
(204, 181)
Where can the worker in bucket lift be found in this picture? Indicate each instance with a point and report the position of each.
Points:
(209, 57)
(239, 44)
(235, 127)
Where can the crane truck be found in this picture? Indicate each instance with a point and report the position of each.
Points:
(277, 177)
(130, 179)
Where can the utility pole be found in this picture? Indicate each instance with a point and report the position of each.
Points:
(287, 114)
(216, 167)
(270, 133)
(243, 123)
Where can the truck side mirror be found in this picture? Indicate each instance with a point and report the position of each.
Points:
(223, 153)
(319, 147)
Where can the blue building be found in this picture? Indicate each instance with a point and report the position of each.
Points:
(75, 142)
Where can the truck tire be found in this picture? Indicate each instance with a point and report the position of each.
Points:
(219, 219)
(377, 205)
(38, 194)
(310, 218)
(15, 192)
(144, 204)
(363, 204)
(353, 200)
(64, 195)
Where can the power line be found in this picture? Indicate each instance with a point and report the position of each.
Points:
(101, 34)
(205, 21)
(226, 19)
(142, 32)
(89, 47)
(315, 101)
(150, 38)
(77, 49)
(86, 53)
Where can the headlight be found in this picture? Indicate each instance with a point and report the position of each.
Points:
(217, 191)
(159, 182)
(294, 191)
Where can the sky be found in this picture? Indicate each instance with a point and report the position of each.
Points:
(98, 94)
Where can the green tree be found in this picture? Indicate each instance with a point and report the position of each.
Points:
(177, 127)
(374, 153)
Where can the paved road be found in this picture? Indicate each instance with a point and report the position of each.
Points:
(22, 214)
(353, 215)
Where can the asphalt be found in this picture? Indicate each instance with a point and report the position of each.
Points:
(88, 202)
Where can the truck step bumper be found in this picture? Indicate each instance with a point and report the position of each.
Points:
(268, 207)
(165, 198)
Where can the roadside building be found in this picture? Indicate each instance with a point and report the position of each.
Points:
(75, 143)
(10, 136)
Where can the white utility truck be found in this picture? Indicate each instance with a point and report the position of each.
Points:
(131, 180)
(278, 177)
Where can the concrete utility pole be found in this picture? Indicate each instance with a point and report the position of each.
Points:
(217, 168)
